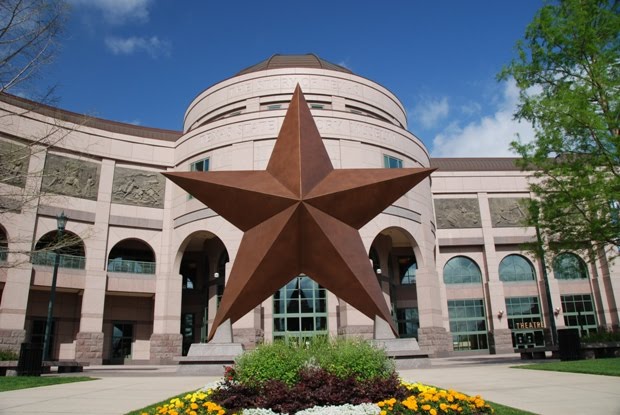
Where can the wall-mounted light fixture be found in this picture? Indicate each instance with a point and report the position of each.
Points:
(216, 275)
(500, 314)
(556, 311)
(378, 271)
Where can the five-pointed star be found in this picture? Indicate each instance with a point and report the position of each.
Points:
(300, 216)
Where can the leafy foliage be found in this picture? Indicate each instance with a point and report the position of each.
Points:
(284, 362)
(568, 73)
(8, 355)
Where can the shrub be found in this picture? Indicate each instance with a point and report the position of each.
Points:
(277, 361)
(8, 355)
(602, 336)
(352, 358)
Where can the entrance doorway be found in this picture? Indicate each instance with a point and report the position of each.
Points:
(122, 338)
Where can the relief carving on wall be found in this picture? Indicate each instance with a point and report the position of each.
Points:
(14, 160)
(138, 188)
(70, 177)
(507, 211)
(457, 213)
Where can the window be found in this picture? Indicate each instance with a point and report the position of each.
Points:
(516, 268)
(569, 266)
(390, 162)
(408, 321)
(299, 310)
(187, 330)
(525, 321)
(578, 311)
(468, 324)
(122, 337)
(317, 106)
(200, 165)
(461, 270)
(221, 270)
(4, 246)
(274, 107)
(407, 267)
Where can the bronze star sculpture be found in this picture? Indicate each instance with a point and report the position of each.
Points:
(300, 216)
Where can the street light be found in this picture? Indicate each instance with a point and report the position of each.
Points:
(61, 222)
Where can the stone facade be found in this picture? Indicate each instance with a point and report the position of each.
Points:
(89, 347)
(11, 340)
(436, 342)
(165, 347)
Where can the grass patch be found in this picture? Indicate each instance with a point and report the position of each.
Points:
(606, 367)
(11, 383)
(507, 410)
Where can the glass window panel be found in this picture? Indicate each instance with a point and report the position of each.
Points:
(568, 266)
(461, 270)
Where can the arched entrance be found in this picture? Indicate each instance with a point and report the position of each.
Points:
(394, 250)
(203, 270)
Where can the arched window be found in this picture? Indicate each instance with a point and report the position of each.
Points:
(461, 270)
(221, 271)
(69, 246)
(569, 266)
(4, 246)
(516, 268)
(132, 256)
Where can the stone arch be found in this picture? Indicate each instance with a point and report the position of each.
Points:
(203, 273)
(399, 258)
(69, 246)
(132, 255)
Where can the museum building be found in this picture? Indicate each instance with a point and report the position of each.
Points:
(147, 264)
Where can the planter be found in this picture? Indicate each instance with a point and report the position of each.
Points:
(600, 350)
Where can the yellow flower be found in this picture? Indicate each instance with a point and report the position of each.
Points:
(194, 406)
(443, 407)
(433, 411)
(426, 407)
(382, 413)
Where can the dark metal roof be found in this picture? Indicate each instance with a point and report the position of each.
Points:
(279, 61)
(476, 164)
(99, 123)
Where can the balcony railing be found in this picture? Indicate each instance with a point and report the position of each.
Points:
(132, 267)
(66, 261)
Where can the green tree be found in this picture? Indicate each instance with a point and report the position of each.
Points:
(568, 71)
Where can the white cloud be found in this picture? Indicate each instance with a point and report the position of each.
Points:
(119, 11)
(489, 136)
(430, 111)
(154, 46)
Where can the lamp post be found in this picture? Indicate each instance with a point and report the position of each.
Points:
(61, 221)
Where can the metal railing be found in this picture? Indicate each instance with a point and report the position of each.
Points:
(131, 267)
(47, 258)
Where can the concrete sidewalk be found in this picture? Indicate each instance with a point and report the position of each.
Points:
(537, 391)
(121, 389)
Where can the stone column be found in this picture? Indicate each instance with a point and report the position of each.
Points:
(20, 232)
(167, 340)
(90, 339)
(500, 336)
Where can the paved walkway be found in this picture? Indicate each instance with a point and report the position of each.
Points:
(122, 389)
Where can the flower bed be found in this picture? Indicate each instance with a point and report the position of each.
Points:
(422, 399)
(325, 377)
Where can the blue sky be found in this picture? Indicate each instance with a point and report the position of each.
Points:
(143, 61)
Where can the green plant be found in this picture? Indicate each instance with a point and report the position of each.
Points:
(603, 336)
(8, 355)
(355, 358)
(277, 361)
